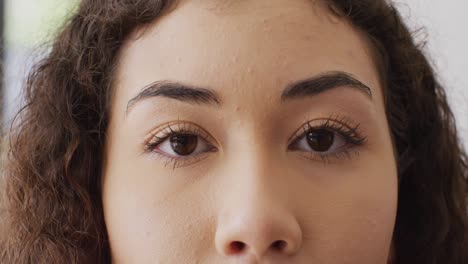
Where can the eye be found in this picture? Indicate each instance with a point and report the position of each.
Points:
(184, 145)
(326, 139)
(321, 140)
(179, 144)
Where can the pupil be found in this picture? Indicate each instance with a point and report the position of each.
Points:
(320, 140)
(184, 144)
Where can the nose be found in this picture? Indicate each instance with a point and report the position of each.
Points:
(256, 222)
(253, 231)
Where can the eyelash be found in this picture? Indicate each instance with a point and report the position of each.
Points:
(349, 130)
(344, 127)
(168, 131)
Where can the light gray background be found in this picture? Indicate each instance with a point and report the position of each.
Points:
(446, 24)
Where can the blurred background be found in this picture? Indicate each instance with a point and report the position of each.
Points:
(25, 25)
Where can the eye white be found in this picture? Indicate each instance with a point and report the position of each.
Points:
(202, 146)
(338, 142)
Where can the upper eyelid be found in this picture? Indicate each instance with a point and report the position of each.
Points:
(199, 130)
(337, 126)
(338, 119)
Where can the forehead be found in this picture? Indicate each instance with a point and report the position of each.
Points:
(243, 47)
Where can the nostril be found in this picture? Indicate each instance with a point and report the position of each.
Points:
(237, 247)
(279, 245)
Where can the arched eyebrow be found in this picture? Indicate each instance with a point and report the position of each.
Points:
(321, 83)
(198, 95)
(177, 91)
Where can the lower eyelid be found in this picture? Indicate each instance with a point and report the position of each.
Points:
(181, 161)
(329, 158)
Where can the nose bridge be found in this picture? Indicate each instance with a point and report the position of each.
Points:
(252, 151)
(256, 169)
(256, 172)
(255, 215)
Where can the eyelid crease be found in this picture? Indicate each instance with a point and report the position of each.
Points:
(334, 121)
(166, 129)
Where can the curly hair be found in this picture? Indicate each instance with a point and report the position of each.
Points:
(51, 206)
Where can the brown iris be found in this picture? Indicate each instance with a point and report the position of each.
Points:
(320, 140)
(184, 144)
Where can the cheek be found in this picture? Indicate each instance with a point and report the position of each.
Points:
(146, 223)
(350, 221)
(354, 220)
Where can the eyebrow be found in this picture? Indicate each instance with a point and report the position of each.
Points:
(206, 96)
(321, 83)
(178, 91)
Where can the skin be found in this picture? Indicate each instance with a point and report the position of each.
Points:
(251, 190)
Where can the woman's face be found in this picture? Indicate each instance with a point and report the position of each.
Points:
(249, 132)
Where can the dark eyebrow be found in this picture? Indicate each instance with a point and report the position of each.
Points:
(197, 95)
(178, 91)
(322, 83)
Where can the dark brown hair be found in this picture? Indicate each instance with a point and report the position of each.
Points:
(52, 210)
